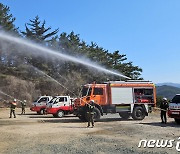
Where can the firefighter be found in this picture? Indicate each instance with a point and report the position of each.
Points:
(164, 106)
(12, 108)
(23, 105)
(90, 113)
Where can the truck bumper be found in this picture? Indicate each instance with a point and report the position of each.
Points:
(36, 108)
(174, 114)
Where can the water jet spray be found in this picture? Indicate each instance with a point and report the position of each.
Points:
(8, 95)
(52, 79)
(5, 36)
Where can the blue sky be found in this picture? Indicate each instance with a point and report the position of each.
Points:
(148, 32)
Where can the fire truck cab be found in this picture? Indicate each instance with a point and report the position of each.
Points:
(60, 106)
(174, 108)
(128, 98)
(39, 105)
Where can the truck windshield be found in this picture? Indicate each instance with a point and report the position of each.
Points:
(44, 99)
(176, 99)
(52, 100)
(60, 99)
(86, 91)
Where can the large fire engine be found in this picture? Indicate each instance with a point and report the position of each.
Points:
(128, 98)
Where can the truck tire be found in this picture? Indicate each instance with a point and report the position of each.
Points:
(177, 121)
(97, 114)
(124, 115)
(82, 118)
(60, 114)
(138, 113)
(55, 115)
(41, 112)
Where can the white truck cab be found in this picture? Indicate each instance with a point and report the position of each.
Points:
(60, 106)
(39, 105)
(174, 108)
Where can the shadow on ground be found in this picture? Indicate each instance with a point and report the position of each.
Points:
(62, 120)
(50, 116)
(77, 120)
(27, 114)
(159, 124)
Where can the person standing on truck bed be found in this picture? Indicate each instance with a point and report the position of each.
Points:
(12, 108)
(90, 113)
(164, 106)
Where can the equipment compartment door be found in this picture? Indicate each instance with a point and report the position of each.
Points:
(121, 95)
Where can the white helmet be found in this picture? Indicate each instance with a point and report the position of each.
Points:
(92, 101)
(25, 101)
(164, 99)
(15, 100)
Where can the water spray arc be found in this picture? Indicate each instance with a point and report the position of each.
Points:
(3, 99)
(20, 41)
(8, 95)
(43, 73)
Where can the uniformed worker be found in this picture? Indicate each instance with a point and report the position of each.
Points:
(164, 106)
(90, 113)
(12, 108)
(23, 105)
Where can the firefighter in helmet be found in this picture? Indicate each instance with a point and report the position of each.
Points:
(12, 108)
(23, 105)
(90, 113)
(164, 106)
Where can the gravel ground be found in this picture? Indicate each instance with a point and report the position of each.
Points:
(34, 134)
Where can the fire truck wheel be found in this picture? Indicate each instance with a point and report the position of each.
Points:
(55, 115)
(138, 113)
(97, 114)
(60, 114)
(124, 115)
(82, 118)
(42, 111)
(177, 120)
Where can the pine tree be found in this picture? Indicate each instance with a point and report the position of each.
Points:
(118, 62)
(38, 32)
(6, 19)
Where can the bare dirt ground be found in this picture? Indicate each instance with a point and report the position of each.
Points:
(44, 134)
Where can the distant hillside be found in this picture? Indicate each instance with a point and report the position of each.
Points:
(169, 84)
(167, 91)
